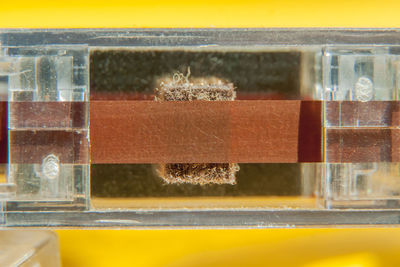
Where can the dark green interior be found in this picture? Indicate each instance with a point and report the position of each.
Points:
(130, 70)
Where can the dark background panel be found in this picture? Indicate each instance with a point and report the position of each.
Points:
(135, 71)
(141, 180)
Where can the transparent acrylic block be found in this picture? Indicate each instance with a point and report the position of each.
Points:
(360, 74)
(361, 127)
(362, 185)
(48, 122)
(303, 122)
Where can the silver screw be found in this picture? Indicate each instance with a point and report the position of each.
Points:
(364, 89)
(51, 166)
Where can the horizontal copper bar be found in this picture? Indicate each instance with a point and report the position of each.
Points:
(3, 132)
(362, 114)
(362, 131)
(48, 115)
(238, 131)
(362, 145)
(31, 146)
(194, 132)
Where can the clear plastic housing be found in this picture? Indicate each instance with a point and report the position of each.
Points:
(326, 154)
(47, 125)
(361, 127)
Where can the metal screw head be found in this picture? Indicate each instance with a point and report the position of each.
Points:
(51, 166)
(364, 89)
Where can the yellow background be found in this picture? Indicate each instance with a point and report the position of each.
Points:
(274, 247)
(371, 247)
(207, 13)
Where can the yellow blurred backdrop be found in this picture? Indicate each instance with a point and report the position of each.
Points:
(372, 247)
(260, 247)
(206, 13)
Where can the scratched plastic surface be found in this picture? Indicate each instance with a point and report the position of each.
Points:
(48, 178)
(361, 88)
(47, 125)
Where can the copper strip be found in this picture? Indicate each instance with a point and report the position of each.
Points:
(194, 132)
(3, 132)
(362, 145)
(239, 131)
(362, 114)
(48, 115)
(31, 146)
(310, 129)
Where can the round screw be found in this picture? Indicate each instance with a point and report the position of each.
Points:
(51, 167)
(364, 89)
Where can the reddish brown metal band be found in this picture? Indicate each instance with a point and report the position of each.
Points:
(203, 132)
(3, 132)
(362, 145)
(153, 132)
